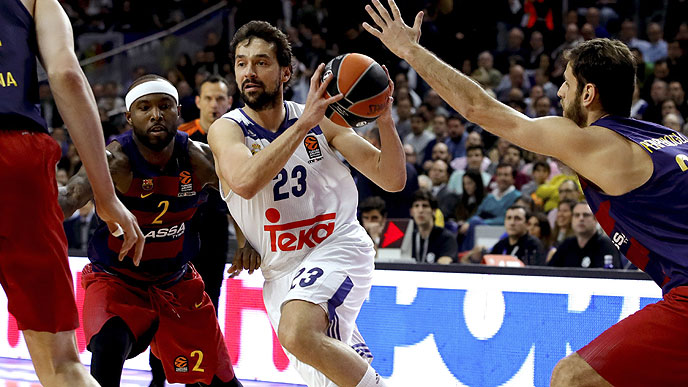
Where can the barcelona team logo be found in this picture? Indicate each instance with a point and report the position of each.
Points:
(147, 184)
(181, 364)
(312, 148)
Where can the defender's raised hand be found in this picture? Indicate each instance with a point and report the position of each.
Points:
(392, 30)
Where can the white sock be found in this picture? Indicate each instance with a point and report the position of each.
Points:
(371, 379)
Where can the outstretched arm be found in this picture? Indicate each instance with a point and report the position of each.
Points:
(583, 149)
(77, 107)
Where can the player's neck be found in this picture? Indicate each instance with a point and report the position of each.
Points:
(596, 115)
(270, 118)
(157, 158)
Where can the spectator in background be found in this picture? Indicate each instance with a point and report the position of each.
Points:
(446, 199)
(373, 217)
(486, 74)
(513, 53)
(397, 203)
(518, 242)
(676, 58)
(658, 46)
(542, 78)
(628, 35)
(638, 105)
(457, 136)
(659, 92)
(669, 107)
(562, 225)
(538, 226)
(677, 93)
(543, 107)
(515, 78)
(474, 139)
(588, 32)
(493, 208)
(514, 157)
(541, 171)
(537, 48)
(567, 190)
(471, 197)
(430, 243)
(672, 121)
(439, 151)
(439, 129)
(572, 38)
(404, 112)
(589, 247)
(593, 17)
(475, 155)
(412, 157)
(80, 226)
(61, 177)
(419, 136)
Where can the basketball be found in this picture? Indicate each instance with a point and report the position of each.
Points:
(365, 87)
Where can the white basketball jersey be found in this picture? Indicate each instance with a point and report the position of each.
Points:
(310, 204)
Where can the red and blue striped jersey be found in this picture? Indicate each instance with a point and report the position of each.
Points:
(649, 224)
(163, 201)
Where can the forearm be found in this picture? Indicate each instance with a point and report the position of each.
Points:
(457, 89)
(78, 109)
(258, 170)
(70, 200)
(391, 165)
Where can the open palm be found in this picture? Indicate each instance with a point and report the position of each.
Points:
(392, 30)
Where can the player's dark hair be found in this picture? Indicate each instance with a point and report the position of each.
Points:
(425, 196)
(263, 30)
(373, 203)
(610, 66)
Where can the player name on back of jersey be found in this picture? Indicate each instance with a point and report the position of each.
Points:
(293, 236)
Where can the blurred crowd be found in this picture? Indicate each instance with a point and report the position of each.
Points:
(461, 179)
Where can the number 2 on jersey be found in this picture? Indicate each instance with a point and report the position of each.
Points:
(299, 174)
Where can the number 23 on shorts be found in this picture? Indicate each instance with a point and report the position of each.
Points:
(308, 279)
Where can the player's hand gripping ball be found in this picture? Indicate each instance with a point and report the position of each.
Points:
(365, 87)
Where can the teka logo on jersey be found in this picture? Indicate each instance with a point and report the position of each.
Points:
(297, 235)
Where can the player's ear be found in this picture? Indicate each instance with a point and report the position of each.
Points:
(589, 93)
(127, 115)
(286, 74)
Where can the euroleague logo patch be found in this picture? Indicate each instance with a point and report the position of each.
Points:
(181, 364)
(312, 148)
(185, 184)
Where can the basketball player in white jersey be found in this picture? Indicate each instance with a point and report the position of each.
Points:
(296, 203)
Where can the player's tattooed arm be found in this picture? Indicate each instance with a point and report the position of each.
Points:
(203, 163)
(78, 190)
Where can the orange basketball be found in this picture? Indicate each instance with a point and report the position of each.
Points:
(364, 85)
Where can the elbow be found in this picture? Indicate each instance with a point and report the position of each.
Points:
(67, 75)
(397, 184)
(246, 191)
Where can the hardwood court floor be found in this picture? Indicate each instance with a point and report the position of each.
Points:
(19, 373)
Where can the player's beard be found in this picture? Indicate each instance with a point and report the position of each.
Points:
(158, 144)
(574, 111)
(263, 100)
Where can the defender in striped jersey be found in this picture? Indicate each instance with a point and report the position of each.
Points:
(635, 178)
(159, 175)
